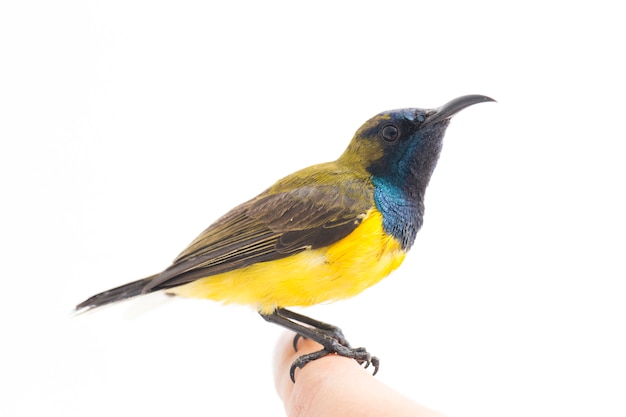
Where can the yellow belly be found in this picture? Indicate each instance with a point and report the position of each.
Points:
(338, 271)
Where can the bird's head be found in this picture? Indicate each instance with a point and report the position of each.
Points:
(403, 145)
(399, 149)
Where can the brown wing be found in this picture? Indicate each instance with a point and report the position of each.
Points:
(269, 227)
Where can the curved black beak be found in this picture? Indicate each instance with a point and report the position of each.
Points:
(453, 107)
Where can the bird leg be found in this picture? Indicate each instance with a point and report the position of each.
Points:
(330, 330)
(330, 337)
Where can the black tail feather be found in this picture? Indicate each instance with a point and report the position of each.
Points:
(123, 292)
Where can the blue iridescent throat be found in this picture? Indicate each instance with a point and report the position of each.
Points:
(402, 215)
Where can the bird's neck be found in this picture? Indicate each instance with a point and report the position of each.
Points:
(399, 195)
(402, 209)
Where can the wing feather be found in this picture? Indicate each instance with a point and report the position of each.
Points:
(276, 224)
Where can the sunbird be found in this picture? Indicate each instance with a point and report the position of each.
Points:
(321, 234)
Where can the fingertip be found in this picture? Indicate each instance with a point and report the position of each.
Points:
(284, 356)
(334, 385)
(317, 377)
(281, 361)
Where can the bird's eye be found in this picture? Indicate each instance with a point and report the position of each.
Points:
(390, 133)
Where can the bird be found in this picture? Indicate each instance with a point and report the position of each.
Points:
(321, 234)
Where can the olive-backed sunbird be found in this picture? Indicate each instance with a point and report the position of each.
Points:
(324, 233)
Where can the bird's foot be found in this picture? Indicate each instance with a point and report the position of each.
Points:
(361, 355)
(329, 336)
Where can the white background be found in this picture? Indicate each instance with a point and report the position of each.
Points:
(127, 127)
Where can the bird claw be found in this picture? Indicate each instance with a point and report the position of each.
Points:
(369, 360)
(329, 336)
(376, 363)
(361, 355)
(301, 361)
(295, 341)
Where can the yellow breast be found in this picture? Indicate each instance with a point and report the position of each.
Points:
(338, 271)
